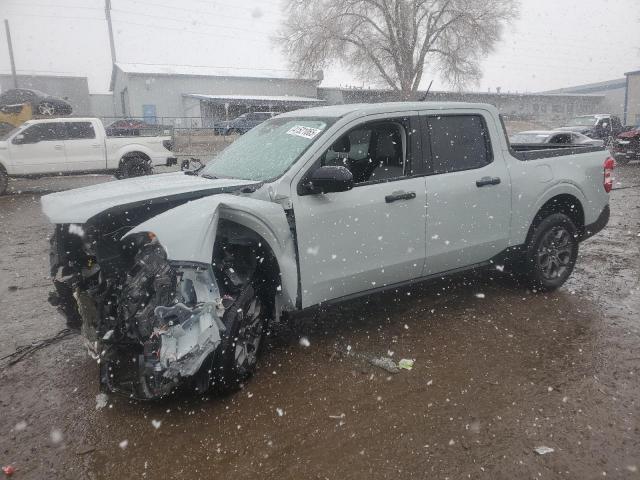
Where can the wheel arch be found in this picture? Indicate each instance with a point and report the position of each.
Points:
(568, 203)
(189, 232)
(132, 154)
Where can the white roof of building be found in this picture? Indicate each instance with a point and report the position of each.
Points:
(254, 98)
(205, 71)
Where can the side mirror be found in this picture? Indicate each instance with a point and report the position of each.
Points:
(330, 179)
(18, 139)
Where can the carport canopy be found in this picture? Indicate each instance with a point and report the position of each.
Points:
(257, 100)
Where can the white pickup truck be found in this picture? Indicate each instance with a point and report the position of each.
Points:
(77, 145)
(174, 278)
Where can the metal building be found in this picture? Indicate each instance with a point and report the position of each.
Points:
(159, 92)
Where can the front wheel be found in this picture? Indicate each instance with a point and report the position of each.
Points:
(4, 181)
(551, 252)
(237, 357)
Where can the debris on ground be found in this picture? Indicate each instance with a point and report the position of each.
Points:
(9, 470)
(24, 351)
(101, 401)
(337, 417)
(406, 364)
(384, 363)
(542, 450)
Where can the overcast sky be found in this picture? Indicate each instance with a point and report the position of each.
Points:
(555, 43)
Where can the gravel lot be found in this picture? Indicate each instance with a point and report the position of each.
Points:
(494, 378)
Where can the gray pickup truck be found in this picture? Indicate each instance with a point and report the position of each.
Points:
(174, 278)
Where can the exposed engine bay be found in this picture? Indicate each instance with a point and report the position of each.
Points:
(154, 324)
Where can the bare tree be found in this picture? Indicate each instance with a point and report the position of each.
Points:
(394, 40)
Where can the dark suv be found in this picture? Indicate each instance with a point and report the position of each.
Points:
(243, 123)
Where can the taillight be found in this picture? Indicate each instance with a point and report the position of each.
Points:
(609, 165)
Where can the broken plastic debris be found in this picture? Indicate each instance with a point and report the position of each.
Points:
(543, 450)
(406, 364)
(123, 444)
(21, 425)
(384, 363)
(9, 470)
(280, 412)
(337, 417)
(56, 435)
(156, 423)
(479, 295)
(101, 401)
(304, 342)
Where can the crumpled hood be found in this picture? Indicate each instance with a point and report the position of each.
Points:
(79, 205)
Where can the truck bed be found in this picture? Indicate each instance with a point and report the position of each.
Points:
(535, 151)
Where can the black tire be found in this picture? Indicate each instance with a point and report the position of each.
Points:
(246, 324)
(4, 180)
(134, 167)
(551, 252)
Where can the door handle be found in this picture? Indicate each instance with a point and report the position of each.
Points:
(485, 181)
(96, 145)
(396, 196)
(58, 147)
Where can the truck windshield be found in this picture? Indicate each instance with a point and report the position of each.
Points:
(587, 121)
(268, 150)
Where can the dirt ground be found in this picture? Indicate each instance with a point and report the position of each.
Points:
(494, 378)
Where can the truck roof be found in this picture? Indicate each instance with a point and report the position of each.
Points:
(386, 107)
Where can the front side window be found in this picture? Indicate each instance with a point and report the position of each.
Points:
(458, 142)
(372, 152)
(80, 130)
(44, 132)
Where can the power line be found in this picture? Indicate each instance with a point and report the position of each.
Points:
(189, 20)
(193, 32)
(37, 15)
(200, 12)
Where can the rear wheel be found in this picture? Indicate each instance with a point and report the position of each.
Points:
(551, 253)
(4, 181)
(134, 167)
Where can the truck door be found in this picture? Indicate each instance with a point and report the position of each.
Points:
(85, 152)
(373, 235)
(39, 149)
(468, 191)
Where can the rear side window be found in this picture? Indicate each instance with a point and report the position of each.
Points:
(80, 130)
(458, 142)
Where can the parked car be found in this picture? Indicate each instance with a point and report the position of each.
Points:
(75, 145)
(555, 137)
(626, 146)
(131, 127)
(41, 103)
(243, 123)
(602, 126)
(175, 278)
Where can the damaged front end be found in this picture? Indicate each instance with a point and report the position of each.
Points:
(151, 323)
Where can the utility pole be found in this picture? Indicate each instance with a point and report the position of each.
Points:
(107, 12)
(13, 62)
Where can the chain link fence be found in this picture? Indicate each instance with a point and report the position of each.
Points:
(190, 135)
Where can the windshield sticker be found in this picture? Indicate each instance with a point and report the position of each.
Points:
(304, 132)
